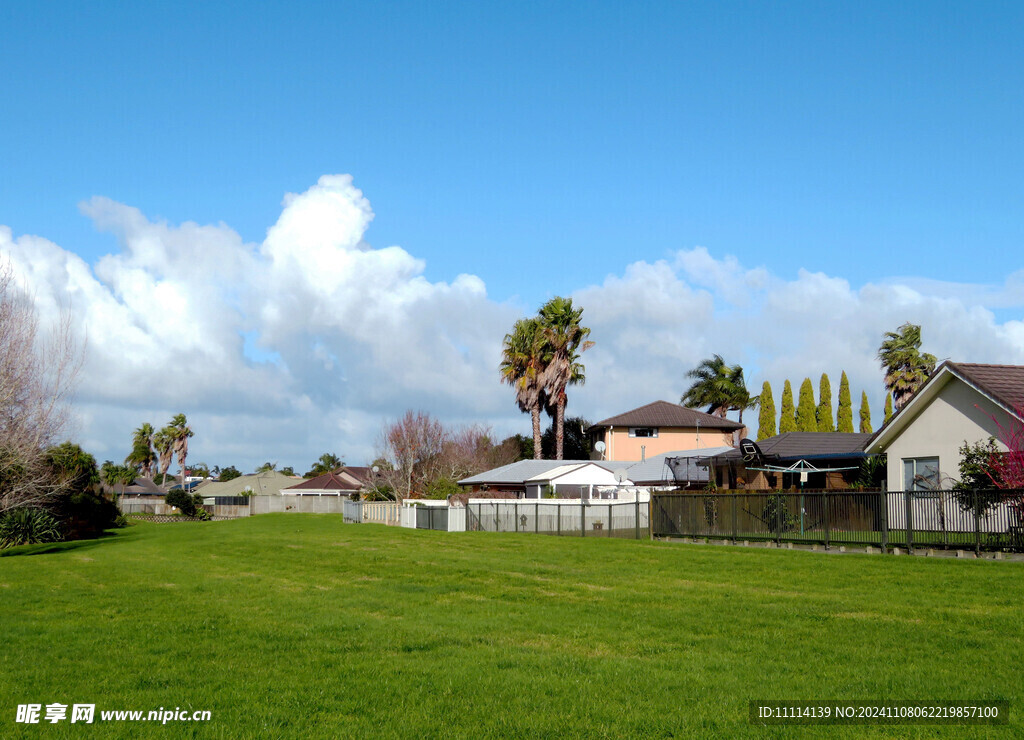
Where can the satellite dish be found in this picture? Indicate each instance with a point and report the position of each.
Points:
(621, 475)
(599, 446)
(375, 469)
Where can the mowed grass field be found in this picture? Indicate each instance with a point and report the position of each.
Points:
(300, 626)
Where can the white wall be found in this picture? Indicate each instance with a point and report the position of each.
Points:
(957, 414)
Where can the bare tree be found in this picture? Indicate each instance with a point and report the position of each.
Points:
(411, 445)
(419, 452)
(37, 377)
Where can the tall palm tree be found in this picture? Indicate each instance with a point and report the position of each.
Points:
(182, 432)
(163, 443)
(142, 456)
(564, 339)
(720, 387)
(906, 368)
(523, 368)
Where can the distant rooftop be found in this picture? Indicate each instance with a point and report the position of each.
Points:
(808, 445)
(665, 414)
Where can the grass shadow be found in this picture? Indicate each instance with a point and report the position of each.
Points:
(46, 548)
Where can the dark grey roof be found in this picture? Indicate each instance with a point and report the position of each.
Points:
(808, 445)
(141, 486)
(665, 414)
(1003, 383)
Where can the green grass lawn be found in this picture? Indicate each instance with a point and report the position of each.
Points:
(289, 625)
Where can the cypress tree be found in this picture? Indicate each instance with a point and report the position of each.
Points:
(766, 419)
(888, 408)
(787, 422)
(824, 412)
(865, 414)
(844, 416)
(805, 411)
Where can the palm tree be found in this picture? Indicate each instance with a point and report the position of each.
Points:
(182, 432)
(327, 463)
(564, 339)
(163, 443)
(142, 456)
(522, 367)
(906, 368)
(118, 475)
(720, 387)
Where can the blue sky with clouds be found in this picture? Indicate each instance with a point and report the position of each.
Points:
(537, 148)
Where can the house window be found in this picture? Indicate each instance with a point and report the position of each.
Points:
(643, 431)
(921, 474)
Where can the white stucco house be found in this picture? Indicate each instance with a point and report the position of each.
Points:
(961, 402)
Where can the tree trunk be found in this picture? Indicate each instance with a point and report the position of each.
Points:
(535, 414)
(559, 428)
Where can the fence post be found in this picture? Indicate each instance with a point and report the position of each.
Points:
(609, 520)
(735, 520)
(828, 520)
(515, 515)
(583, 516)
(636, 516)
(558, 517)
(910, 521)
(885, 520)
(942, 520)
(780, 504)
(977, 524)
(536, 517)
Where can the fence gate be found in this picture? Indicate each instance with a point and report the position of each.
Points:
(432, 517)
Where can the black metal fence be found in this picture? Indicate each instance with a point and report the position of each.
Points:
(957, 520)
(582, 518)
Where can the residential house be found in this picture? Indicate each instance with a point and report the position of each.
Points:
(658, 428)
(667, 470)
(961, 402)
(338, 482)
(808, 460)
(265, 483)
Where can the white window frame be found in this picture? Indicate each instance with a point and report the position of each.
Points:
(653, 432)
(916, 469)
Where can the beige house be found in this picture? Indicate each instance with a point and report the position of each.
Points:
(661, 427)
(961, 402)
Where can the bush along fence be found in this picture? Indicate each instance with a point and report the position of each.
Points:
(571, 518)
(959, 520)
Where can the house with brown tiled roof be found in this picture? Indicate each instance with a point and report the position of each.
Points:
(661, 427)
(961, 402)
(340, 482)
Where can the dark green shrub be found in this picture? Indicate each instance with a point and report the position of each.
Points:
(28, 527)
(184, 502)
(81, 507)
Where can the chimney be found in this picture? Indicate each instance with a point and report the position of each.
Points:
(643, 453)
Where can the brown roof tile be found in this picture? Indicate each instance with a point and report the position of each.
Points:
(1003, 383)
(665, 414)
(327, 482)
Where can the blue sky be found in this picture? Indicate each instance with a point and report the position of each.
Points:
(865, 139)
(541, 147)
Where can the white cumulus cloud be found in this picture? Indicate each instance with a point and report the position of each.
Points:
(306, 342)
